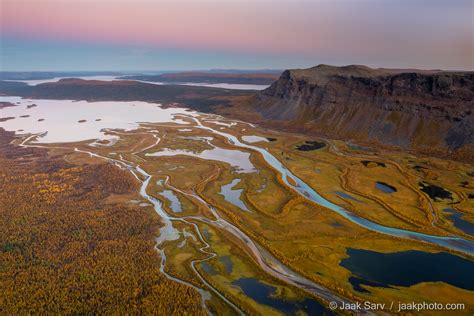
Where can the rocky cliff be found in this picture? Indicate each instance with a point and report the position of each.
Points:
(431, 111)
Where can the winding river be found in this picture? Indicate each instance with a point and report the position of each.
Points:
(454, 243)
(168, 233)
(266, 260)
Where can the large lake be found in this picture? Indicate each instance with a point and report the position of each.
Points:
(407, 268)
(113, 78)
(70, 121)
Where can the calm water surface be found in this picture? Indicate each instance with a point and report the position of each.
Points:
(407, 268)
(232, 195)
(458, 221)
(263, 294)
(60, 118)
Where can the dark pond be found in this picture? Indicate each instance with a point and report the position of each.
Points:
(435, 192)
(382, 186)
(408, 268)
(418, 167)
(366, 163)
(356, 284)
(346, 196)
(206, 234)
(311, 145)
(271, 139)
(358, 147)
(459, 223)
(227, 262)
(471, 196)
(208, 268)
(262, 294)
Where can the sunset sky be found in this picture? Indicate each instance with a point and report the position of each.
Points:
(173, 35)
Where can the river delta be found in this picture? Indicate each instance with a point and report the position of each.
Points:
(270, 227)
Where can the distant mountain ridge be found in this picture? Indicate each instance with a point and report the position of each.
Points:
(264, 78)
(427, 110)
(198, 98)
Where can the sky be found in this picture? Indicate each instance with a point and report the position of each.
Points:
(133, 35)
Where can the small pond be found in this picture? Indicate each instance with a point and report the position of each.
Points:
(233, 196)
(311, 145)
(208, 268)
(175, 204)
(263, 294)
(227, 262)
(254, 139)
(357, 282)
(386, 188)
(435, 192)
(240, 160)
(369, 163)
(458, 222)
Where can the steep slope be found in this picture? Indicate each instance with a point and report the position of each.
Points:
(431, 111)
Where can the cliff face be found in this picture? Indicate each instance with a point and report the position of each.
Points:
(430, 111)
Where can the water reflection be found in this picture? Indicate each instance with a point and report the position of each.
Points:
(233, 196)
(236, 158)
(175, 204)
(458, 221)
(407, 268)
(264, 294)
(59, 118)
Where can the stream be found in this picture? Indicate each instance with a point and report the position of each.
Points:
(454, 243)
(266, 260)
(168, 233)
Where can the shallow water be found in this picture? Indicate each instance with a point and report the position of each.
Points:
(458, 222)
(61, 117)
(175, 204)
(254, 139)
(227, 262)
(346, 196)
(301, 187)
(208, 268)
(385, 187)
(240, 160)
(233, 196)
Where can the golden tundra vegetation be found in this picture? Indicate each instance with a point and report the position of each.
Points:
(75, 238)
(68, 246)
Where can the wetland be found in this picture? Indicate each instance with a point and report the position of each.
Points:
(246, 224)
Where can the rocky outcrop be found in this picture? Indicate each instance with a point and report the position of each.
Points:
(431, 111)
